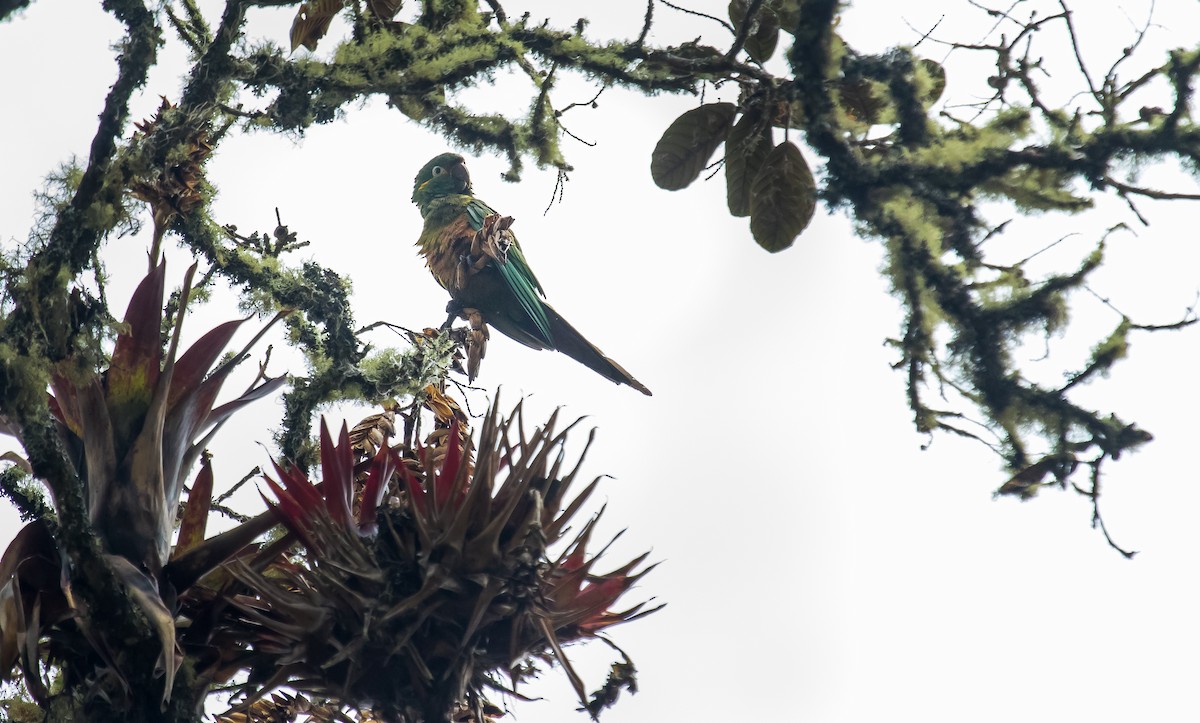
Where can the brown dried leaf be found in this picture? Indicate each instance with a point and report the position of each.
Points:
(385, 9)
(485, 712)
(1026, 483)
(493, 238)
(370, 434)
(312, 22)
(173, 189)
(443, 407)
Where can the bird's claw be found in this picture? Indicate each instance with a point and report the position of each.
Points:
(453, 309)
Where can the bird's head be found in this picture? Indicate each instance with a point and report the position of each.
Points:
(445, 175)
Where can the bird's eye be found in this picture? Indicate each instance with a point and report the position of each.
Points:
(438, 170)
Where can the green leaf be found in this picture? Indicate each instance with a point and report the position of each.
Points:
(788, 12)
(931, 79)
(746, 148)
(764, 29)
(684, 150)
(782, 198)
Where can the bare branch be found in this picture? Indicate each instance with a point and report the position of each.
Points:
(673, 6)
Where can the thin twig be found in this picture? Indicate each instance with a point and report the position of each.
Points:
(724, 24)
(1150, 192)
(387, 324)
(564, 129)
(924, 36)
(559, 187)
(238, 485)
(590, 103)
(649, 19)
(739, 41)
(1097, 520)
(1079, 54)
(1127, 52)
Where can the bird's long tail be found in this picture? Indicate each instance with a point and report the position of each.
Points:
(571, 342)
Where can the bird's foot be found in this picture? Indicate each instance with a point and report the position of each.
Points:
(454, 310)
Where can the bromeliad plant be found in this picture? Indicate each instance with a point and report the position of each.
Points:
(414, 609)
(133, 432)
(406, 611)
(142, 424)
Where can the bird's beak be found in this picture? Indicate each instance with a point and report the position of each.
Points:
(459, 171)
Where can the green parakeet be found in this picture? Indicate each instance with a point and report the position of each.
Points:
(493, 278)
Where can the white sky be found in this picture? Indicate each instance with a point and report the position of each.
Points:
(818, 565)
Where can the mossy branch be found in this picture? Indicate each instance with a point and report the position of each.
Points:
(42, 319)
(8, 7)
(919, 187)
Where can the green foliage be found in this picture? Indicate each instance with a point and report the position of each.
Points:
(958, 150)
(1039, 189)
(18, 707)
(54, 197)
(26, 494)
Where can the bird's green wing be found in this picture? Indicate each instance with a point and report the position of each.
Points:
(477, 211)
(517, 275)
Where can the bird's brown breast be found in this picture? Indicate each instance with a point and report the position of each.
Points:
(444, 250)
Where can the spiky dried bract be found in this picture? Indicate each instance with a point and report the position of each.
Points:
(285, 708)
(372, 432)
(176, 186)
(458, 592)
